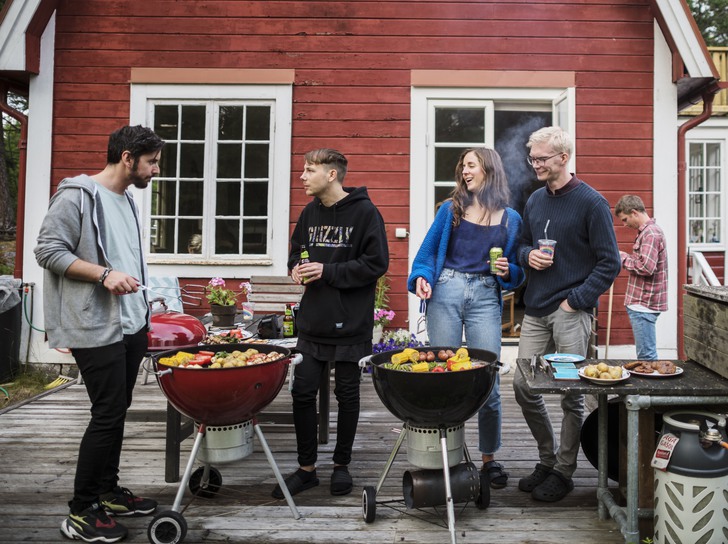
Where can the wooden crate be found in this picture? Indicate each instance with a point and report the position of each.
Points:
(706, 326)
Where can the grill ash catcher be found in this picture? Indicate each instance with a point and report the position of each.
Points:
(433, 407)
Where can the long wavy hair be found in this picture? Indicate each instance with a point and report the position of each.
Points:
(493, 195)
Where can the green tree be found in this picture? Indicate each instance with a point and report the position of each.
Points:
(9, 161)
(710, 15)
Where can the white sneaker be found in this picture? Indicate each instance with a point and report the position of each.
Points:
(504, 369)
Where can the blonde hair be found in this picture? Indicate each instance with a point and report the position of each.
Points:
(556, 137)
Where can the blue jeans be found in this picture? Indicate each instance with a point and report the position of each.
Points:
(643, 329)
(109, 373)
(470, 302)
(565, 332)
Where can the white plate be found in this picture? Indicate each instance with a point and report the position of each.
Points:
(226, 332)
(563, 358)
(625, 375)
(678, 370)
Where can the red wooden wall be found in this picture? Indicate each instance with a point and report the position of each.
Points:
(352, 85)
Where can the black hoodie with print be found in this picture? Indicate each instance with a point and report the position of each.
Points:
(350, 240)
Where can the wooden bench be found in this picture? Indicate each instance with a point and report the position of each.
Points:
(270, 295)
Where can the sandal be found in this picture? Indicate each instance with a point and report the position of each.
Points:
(341, 481)
(300, 480)
(554, 488)
(497, 477)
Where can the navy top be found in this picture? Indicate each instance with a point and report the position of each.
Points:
(470, 243)
(586, 260)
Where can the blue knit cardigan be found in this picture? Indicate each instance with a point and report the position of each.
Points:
(430, 258)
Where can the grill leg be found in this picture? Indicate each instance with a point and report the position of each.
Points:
(448, 489)
(279, 477)
(188, 471)
(392, 455)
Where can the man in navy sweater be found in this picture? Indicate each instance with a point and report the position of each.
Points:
(563, 288)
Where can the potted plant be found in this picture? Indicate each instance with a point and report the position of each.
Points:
(223, 301)
(382, 314)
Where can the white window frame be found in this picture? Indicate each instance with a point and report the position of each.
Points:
(707, 246)
(143, 97)
(423, 102)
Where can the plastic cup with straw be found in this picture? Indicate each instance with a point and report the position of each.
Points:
(546, 245)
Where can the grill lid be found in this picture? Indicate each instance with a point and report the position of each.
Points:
(175, 330)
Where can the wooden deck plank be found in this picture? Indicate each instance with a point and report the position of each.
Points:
(39, 443)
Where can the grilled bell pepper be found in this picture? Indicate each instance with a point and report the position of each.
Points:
(452, 362)
(438, 368)
(421, 367)
(462, 365)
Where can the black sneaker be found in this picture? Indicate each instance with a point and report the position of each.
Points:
(122, 502)
(92, 525)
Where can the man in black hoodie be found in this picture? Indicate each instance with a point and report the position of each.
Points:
(344, 234)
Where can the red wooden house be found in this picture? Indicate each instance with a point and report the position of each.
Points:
(240, 90)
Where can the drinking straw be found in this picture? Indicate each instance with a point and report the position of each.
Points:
(546, 228)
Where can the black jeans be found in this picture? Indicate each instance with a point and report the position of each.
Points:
(305, 387)
(109, 373)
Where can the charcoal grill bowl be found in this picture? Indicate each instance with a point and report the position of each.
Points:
(222, 396)
(434, 399)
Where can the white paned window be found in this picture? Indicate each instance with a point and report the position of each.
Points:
(223, 192)
(705, 194)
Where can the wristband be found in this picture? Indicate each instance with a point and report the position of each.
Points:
(105, 274)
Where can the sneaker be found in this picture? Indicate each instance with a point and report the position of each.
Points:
(92, 525)
(537, 477)
(122, 502)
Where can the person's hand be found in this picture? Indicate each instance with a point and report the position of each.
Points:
(423, 289)
(566, 306)
(539, 260)
(501, 263)
(121, 283)
(623, 256)
(308, 272)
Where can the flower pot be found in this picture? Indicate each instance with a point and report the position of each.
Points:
(377, 334)
(223, 316)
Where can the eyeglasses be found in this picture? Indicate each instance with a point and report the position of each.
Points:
(540, 161)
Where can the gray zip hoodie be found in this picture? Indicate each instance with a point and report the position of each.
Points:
(78, 314)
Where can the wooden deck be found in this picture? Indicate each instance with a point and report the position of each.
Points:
(39, 441)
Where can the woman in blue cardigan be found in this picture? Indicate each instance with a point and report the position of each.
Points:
(452, 272)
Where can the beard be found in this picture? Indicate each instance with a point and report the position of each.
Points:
(138, 181)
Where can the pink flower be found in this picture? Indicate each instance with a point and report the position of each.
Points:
(383, 316)
(217, 282)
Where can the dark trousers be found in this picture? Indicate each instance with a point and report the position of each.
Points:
(308, 375)
(109, 373)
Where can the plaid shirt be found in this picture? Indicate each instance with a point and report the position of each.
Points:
(647, 266)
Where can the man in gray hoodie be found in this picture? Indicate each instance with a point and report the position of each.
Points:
(91, 248)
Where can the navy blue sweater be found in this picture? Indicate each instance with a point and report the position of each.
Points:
(586, 260)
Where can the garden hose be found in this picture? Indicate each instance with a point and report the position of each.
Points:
(7, 397)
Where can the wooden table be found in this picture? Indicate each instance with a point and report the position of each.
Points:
(696, 385)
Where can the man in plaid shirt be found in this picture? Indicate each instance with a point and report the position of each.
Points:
(646, 295)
